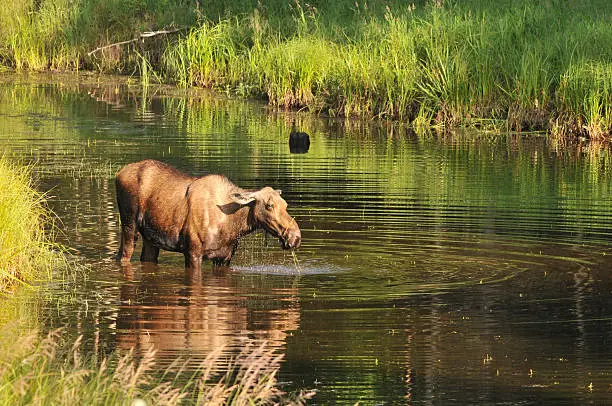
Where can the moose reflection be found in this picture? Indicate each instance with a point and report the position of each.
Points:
(196, 318)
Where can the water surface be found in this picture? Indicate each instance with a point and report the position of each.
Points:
(463, 268)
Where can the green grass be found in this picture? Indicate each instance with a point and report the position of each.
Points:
(26, 249)
(532, 66)
(464, 64)
(57, 34)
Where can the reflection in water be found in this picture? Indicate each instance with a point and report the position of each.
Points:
(206, 313)
(434, 270)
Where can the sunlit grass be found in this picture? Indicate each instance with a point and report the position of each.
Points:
(51, 371)
(533, 66)
(586, 91)
(57, 34)
(26, 249)
(457, 65)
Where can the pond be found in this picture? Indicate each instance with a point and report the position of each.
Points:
(443, 268)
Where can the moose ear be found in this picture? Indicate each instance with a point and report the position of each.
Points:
(243, 198)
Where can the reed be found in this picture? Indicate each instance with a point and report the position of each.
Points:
(26, 249)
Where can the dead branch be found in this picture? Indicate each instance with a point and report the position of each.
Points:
(141, 36)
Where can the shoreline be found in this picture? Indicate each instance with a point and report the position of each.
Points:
(508, 66)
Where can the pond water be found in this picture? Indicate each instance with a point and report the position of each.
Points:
(464, 268)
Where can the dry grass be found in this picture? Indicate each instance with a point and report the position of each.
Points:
(47, 371)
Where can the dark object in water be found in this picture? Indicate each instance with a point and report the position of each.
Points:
(199, 217)
(299, 142)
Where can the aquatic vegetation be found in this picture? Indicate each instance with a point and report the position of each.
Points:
(51, 371)
(26, 250)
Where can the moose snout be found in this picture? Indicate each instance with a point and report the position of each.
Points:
(293, 239)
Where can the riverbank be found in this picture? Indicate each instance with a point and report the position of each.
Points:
(503, 65)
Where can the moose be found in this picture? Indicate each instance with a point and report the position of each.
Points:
(200, 217)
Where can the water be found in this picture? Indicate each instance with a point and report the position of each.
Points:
(465, 268)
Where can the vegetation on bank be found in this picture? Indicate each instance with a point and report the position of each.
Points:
(515, 64)
(26, 249)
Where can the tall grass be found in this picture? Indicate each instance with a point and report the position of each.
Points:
(533, 66)
(461, 64)
(49, 371)
(586, 93)
(57, 34)
(26, 250)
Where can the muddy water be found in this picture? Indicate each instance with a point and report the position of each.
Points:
(466, 268)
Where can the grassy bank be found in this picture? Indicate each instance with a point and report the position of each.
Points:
(25, 245)
(507, 64)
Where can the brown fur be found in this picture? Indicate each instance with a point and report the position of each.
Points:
(199, 217)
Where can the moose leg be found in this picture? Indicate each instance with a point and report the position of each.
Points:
(193, 256)
(149, 251)
(193, 276)
(193, 260)
(223, 256)
(128, 212)
(128, 241)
